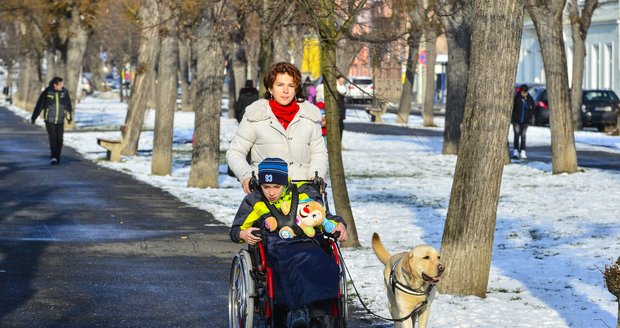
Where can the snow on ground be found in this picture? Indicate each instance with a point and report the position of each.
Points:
(554, 233)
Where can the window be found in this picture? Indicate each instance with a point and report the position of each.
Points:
(607, 66)
(594, 67)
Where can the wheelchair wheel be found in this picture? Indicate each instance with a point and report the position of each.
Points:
(343, 301)
(241, 292)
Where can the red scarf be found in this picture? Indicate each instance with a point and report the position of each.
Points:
(284, 114)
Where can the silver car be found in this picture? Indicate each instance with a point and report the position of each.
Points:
(360, 89)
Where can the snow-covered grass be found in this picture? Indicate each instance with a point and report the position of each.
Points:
(554, 233)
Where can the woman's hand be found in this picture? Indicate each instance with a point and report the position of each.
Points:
(247, 236)
(343, 231)
(246, 185)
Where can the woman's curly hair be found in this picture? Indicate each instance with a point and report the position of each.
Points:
(283, 68)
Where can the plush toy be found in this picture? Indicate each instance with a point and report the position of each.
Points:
(309, 214)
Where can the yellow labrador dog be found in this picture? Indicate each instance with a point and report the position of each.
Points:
(408, 276)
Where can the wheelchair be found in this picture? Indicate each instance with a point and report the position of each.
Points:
(251, 296)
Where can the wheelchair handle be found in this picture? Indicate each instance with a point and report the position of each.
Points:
(253, 182)
(334, 235)
(257, 233)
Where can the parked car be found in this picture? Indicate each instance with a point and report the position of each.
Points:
(541, 109)
(599, 109)
(360, 89)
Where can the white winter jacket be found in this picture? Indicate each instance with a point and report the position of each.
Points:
(301, 145)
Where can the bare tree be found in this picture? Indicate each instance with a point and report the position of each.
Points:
(166, 89)
(9, 49)
(580, 23)
(148, 16)
(417, 15)
(331, 25)
(432, 29)
(30, 25)
(468, 234)
(209, 83)
(273, 15)
(76, 32)
(184, 59)
(547, 18)
(457, 18)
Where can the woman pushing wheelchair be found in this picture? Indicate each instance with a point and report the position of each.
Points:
(282, 132)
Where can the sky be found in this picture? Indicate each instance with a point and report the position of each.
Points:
(554, 234)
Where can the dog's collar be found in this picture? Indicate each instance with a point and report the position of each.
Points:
(404, 288)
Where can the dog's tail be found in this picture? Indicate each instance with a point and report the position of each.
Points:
(382, 254)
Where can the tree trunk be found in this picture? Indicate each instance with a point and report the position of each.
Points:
(579, 28)
(239, 74)
(282, 40)
(406, 95)
(206, 151)
(468, 234)
(184, 59)
(142, 86)
(265, 55)
(76, 47)
(35, 83)
(458, 28)
(22, 83)
(50, 60)
(334, 147)
(429, 89)
(166, 92)
(548, 22)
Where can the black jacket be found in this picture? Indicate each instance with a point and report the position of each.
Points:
(522, 109)
(246, 97)
(56, 105)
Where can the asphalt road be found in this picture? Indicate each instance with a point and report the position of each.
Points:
(86, 246)
(585, 158)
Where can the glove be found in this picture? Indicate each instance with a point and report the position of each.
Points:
(32, 121)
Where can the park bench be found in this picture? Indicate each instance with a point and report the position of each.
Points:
(113, 147)
(378, 108)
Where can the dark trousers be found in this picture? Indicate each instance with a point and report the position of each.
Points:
(519, 134)
(341, 129)
(55, 133)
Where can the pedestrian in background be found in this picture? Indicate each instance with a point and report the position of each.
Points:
(247, 95)
(522, 113)
(55, 103)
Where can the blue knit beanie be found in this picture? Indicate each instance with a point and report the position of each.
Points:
(273, 170)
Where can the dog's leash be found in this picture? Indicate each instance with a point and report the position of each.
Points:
(416, 309)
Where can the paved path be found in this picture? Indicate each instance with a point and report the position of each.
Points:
(86, 246)
(585, 158)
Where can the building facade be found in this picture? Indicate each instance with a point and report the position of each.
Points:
(602, 62)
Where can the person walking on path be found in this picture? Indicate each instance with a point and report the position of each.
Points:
(247, 95)
(55, 103)
(522, 112)
(282, 125)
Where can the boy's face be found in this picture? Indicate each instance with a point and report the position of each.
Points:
(272, 191)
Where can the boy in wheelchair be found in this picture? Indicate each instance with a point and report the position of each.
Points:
(305, 277)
